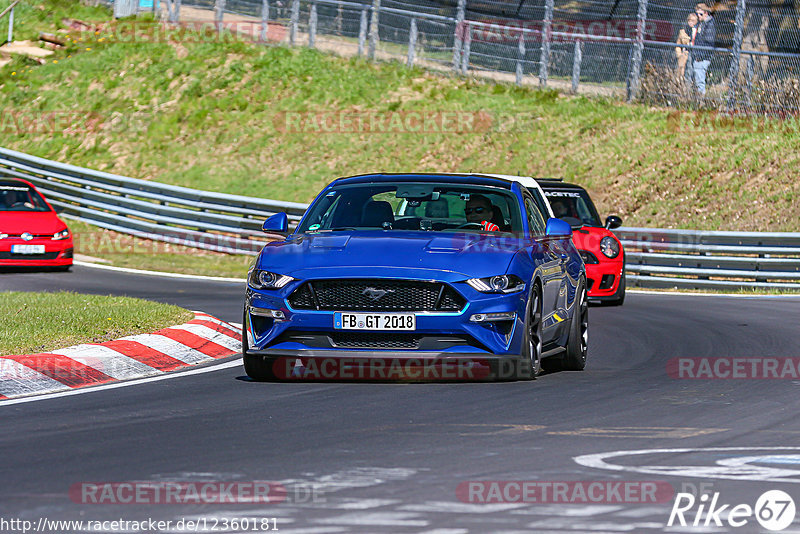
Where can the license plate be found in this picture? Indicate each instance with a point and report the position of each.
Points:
(27, 249)
(374, 321)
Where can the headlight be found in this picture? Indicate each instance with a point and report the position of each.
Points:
(258, 279)
(504, 283)
(609, 247)
(63, 234)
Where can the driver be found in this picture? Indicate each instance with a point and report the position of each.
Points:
(479, 211)
(559, 208)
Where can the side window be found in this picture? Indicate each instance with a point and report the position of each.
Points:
(535, 219)
(540, 203)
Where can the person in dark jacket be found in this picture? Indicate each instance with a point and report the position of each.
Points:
(706, 35)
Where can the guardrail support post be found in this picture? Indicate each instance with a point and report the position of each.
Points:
(736, 53)
(412, 43)
(465, 53)
(362, 32)
(634, 75)
(264, 20)
(577, 58)
(294, 20)
(520, 56)
(373, 29)
(547, 30)
(458, 34)
(312, 25)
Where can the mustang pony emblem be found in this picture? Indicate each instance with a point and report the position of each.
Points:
(376, 294)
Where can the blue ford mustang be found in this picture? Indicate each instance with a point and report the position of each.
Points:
(417, 268)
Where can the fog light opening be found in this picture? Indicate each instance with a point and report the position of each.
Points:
(491, 317)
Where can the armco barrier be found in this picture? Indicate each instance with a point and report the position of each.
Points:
(202, 219)
(693, 259)
(655, 257)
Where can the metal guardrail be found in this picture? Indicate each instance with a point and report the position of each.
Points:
(655, 257)
(693, 259)
(174, 214)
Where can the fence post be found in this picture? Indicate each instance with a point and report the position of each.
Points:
(457, 34)
(751, 67)
(373, 29)
(312, 25)
(520, 56)
(219, 13)
(294, 20)
(264, 20)
(547, 29)
(733, 72)
(362, 31)
(465, 53)
(634, 76)
(577, 58)
(177, 11)
(11, 25)
(412, 43)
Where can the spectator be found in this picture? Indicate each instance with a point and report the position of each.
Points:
(685, 37)
(479, 211)
(705, 36)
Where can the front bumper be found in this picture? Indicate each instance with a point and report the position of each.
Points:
(57, 253)
(603, 278)
(311, 333)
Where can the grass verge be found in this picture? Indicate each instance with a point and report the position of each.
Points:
(212, 114)
(73, 318)
(120, 250)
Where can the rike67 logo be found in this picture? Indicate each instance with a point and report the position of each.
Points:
(774, 510)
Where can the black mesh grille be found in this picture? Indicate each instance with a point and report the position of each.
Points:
(302, 299)
(376, 295)
(361, 340)
(46, 256)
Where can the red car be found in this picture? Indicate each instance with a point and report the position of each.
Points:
(31, 234)
(601, 250)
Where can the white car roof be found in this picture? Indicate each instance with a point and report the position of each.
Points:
(525, 181)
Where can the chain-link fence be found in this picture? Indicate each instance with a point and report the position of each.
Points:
(636, 49)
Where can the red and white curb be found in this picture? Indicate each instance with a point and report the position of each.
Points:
(201, 340)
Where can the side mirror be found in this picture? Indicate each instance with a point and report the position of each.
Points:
(557, 228)
(612, 221)
(278, 223)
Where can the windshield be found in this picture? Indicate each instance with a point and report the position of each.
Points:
(414, 206)
(17, 196)
(574, 207)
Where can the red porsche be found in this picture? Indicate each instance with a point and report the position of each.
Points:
(601, 250)
(31, 233)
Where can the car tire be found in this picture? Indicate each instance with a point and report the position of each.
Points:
(530, 362)
(258, 368)
(574, 358)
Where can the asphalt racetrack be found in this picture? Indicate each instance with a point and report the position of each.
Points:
(391, 457)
